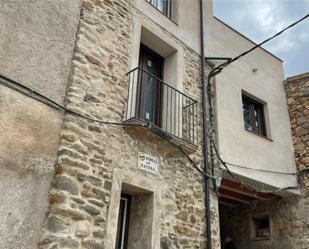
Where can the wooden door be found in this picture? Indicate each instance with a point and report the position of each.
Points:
(151, 73)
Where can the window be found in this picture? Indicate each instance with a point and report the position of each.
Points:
(165, 6)
(261, 227)
(254, 119)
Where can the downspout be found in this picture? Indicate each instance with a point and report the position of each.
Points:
(205, 131)
(211, 74)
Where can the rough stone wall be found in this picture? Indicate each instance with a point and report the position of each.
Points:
(88, 151)
(36, 48)
(289, 220)
(288, 223)
(297, 91)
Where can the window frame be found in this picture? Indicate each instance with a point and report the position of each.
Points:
(255, 219)
(258, 107)
(167, 7)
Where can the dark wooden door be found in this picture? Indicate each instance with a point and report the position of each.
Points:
(151, 65)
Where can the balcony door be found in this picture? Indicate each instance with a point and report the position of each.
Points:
(150, 86)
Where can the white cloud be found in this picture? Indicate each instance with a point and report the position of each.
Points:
(260, 19)
(304, 37)
(282, 45)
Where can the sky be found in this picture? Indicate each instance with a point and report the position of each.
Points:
(260, 19)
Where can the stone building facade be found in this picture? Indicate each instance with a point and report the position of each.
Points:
(97, 163)
(77, 174)
(297, 91)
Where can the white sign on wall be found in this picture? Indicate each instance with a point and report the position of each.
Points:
(148, 163)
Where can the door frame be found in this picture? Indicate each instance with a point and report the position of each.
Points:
(125, 222)
(142, 184)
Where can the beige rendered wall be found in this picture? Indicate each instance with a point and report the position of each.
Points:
(37, 40)
(175, 26)
(237, 145)
(288, 217)
(185, 24)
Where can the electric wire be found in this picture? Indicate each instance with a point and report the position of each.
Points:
(262, 170)
(254, 169)
(212, 73)
(191, 160)
(29, 92)
(218, 69)
(254, 189)
(194, 164)
(53, 104)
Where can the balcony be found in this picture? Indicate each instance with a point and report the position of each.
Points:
(169, 114)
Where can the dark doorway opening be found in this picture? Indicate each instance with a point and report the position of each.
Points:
(150, 87)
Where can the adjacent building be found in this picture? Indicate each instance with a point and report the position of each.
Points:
(280, 222)
(121, 165)
(36, 49)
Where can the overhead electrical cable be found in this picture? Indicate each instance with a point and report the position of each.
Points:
(218, 69)
(25, 90)
(194, 164)
(31, 93)
(254, 169)
(254, 188)
(262, 170)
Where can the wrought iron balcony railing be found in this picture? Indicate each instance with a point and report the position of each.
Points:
(171, 113)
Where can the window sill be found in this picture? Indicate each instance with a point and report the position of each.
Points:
(169, 18)
(259, 135)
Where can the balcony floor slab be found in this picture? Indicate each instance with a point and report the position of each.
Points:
(157, 135)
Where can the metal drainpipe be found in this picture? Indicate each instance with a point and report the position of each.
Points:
(205, 149)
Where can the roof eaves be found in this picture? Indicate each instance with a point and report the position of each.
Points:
(298, 77)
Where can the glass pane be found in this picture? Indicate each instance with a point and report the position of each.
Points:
(246, 113)
(162, 5)
(253, 116)
(257, 126)
(149, 95)
(259, 120)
